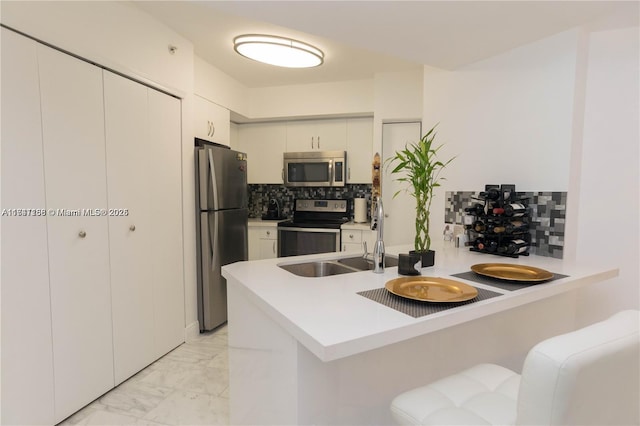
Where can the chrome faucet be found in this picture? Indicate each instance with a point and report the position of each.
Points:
(377, 223)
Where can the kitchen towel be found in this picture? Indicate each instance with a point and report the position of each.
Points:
(359, 210)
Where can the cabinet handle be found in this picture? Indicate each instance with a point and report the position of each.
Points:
(82, 234)
(274, 247)
(311, 142)
(349, 173)
(351, 236)
(132, 228)
(268, 232)
(318, 142)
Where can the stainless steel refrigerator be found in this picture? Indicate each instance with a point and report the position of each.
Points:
(221, 205)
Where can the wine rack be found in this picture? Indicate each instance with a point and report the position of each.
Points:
(498, 222)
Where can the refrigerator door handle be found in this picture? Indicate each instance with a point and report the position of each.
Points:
(214, 182)
(205, 246)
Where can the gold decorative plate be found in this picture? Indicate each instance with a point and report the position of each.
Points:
(505, 271)
(430, 289)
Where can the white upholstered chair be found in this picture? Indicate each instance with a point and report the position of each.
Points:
(587, 377)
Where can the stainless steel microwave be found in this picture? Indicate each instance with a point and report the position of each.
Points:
(315, 168)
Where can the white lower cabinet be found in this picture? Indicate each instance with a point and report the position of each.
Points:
(263, 242)
(88, 298)
(354, 239)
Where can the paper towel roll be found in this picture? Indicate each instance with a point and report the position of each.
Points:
(359, 210)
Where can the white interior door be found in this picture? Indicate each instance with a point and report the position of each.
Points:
(400, 212)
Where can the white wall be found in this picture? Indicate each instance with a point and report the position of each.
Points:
(218, 87)
(560, 114)
(398, 97)
(508, 119)
(608, 228)
(119, 36)
(353, 97)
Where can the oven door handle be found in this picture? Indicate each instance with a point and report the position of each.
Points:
(319, 230)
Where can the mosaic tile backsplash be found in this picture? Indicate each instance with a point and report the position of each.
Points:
(260, 194)
(547, 210)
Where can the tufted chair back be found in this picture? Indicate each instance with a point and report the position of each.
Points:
(587, 377)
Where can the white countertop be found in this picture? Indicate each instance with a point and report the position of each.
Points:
(364, 226)
(332, 321)
(256, 221)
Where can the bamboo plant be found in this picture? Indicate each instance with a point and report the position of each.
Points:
(422, 171)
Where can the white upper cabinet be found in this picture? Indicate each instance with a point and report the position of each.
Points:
(264, 144)
(317, 135)
(359, 149)
(75, 176)
(27, 352)
(212, 122)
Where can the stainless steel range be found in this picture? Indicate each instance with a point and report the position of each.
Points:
(315, 228)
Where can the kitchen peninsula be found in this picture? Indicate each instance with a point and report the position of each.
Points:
(314, 351)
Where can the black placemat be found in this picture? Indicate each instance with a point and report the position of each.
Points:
(416, 308)
(503, 284)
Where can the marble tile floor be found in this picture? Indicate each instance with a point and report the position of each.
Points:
(188, 386)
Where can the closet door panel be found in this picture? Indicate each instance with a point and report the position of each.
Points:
(129, 159)
(166, 204)
(27, 357)
(75, 176)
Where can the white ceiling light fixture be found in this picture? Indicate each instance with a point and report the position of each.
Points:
(278, 51)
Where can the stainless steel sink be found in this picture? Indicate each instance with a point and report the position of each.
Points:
(366, 264)
(325, 268)
(319, 268)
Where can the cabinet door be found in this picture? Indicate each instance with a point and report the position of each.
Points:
(27, 358)
(359, 149)
(166, 221)
(264, 144)
(331, 134)
(268, 248)
(129, 183)
(212, 122)
(316, 135)
(75, 176)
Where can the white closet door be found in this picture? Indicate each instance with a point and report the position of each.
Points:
(166, 220)
(27, 359)
(75, 176)
(129, 181)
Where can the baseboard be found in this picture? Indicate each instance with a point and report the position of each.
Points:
(191, 332)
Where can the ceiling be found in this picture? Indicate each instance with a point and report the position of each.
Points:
(361, 38)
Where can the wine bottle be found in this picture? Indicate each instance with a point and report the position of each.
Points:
(517, 246)
(478, 243)
(516, 228)
(479, 226)
(477, 209)
(514, 209)
(496, 229)
(498, 211)
(491, 194)
(491, 246)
